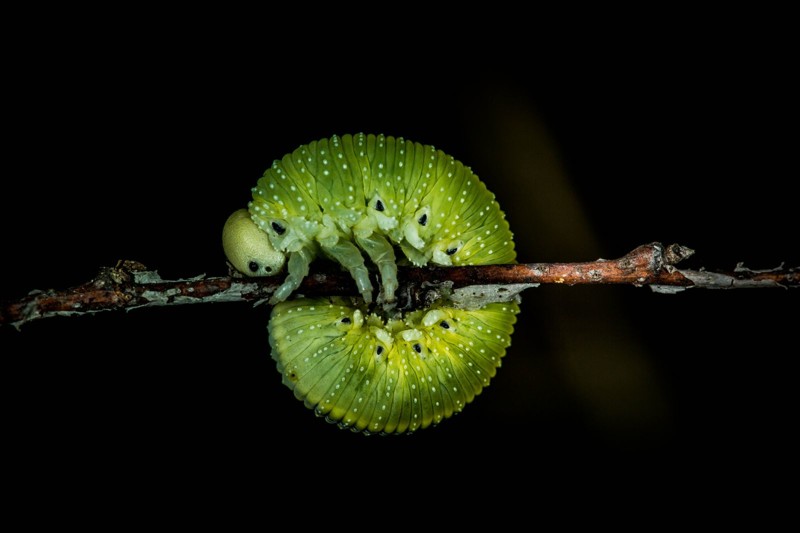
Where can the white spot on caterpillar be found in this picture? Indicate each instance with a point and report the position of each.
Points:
(439, 352)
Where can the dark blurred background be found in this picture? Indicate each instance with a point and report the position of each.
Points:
(112, 152)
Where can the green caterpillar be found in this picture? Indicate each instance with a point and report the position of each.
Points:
(375, 371)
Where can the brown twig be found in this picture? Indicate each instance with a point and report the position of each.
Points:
(129, 285)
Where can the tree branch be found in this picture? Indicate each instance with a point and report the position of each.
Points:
(129, 285)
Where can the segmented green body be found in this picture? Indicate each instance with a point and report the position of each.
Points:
(334, 189)
(388, 372)
(387, 376)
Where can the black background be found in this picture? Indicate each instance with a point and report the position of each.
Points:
(121, 153)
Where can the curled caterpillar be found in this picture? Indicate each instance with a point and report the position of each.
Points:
(348, 194)
(375, 371)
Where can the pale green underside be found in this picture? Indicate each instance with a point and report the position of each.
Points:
(393, 377)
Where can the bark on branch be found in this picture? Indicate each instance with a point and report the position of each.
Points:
(129, 285)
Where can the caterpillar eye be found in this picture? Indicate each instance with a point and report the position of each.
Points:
(346, 320)
(379, 350)
(254, 266)
(417, 348)
(379, 206)
(280, 230)
(451, 251)
(423, 219)
(444, 324)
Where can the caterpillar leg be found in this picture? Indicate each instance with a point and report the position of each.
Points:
(299, 262)
(382, 254)
(346, 254)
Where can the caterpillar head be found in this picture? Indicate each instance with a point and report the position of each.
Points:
(248, 248)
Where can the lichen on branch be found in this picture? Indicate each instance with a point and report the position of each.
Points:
(130, 285)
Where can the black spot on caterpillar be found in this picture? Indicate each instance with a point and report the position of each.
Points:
(358, 366)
